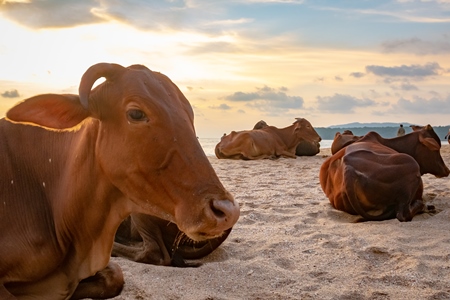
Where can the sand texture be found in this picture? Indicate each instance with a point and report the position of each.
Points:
(289, 243)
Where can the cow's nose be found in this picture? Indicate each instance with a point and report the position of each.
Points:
(226, 213)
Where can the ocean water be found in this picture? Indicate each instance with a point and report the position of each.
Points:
(208, 145)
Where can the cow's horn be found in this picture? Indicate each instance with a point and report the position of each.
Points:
(90, 77)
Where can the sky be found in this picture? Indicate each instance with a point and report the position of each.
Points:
(241, 61)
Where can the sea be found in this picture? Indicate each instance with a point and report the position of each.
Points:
(208, 145)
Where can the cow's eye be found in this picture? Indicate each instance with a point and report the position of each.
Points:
(136, 115)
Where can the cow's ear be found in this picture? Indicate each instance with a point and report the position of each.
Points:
(430, 143)
(50, 110)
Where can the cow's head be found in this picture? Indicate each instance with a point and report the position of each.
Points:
(305, 131)
(260, 124)
(342, 140)
(427, 153)
(145, 145)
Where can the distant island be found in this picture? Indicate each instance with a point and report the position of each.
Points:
(373, 124)
(386, 130)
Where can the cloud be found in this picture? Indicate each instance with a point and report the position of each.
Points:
(424, 11)
(267, 99)
(173, 14)
(342, 104)
(230, 22)
(188, 15)
(338, 78)
(222, 106)
(429, 69)
(357, 74)
(54, 13)
(418, 46)
(276, 1)
(406, 86)
(10, 94)
(419, 105)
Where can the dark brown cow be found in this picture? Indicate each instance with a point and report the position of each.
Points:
(65, 190)
(380, 178)
(267, 142)
(151, 240)
(342, 140)
(304, 147)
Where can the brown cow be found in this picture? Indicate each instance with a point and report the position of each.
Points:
(267, 142)
(342, 140)
(380, 178)
(65, 190)
(304, 147)
(151, 240)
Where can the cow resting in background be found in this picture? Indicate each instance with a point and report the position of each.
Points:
(380, 178)
(74, 167)
(342, 140)
(267, 142)
(304, 147)
(151, 240)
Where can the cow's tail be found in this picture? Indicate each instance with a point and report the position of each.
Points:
(355, 183)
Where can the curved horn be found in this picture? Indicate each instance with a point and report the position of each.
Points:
(90, 77)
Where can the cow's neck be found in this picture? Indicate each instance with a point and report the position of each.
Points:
(287, 136)
(404, 144)
(86, 209)
(90, 197)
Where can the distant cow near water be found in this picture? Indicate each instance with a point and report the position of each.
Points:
(267, 142)
(342, 140)
(304, 148)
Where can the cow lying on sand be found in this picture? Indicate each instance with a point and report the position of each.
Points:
(342, 140)
(304, 147)
(266, 142)
(74, 167)
(151, 240)
(380, 178)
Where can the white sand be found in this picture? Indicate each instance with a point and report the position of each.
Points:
(291, 244)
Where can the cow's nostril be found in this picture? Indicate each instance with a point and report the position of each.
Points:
(225, 212)
(218, 212)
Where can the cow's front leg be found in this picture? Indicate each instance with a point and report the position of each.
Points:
(288, 154)
(105, 284)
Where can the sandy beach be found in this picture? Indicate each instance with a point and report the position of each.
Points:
(289, 243)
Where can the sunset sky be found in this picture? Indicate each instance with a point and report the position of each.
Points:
(239, 62)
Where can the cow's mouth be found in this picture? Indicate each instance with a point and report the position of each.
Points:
(183, 241)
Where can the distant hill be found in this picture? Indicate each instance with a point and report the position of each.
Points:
(327, 133)
(373, 124)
